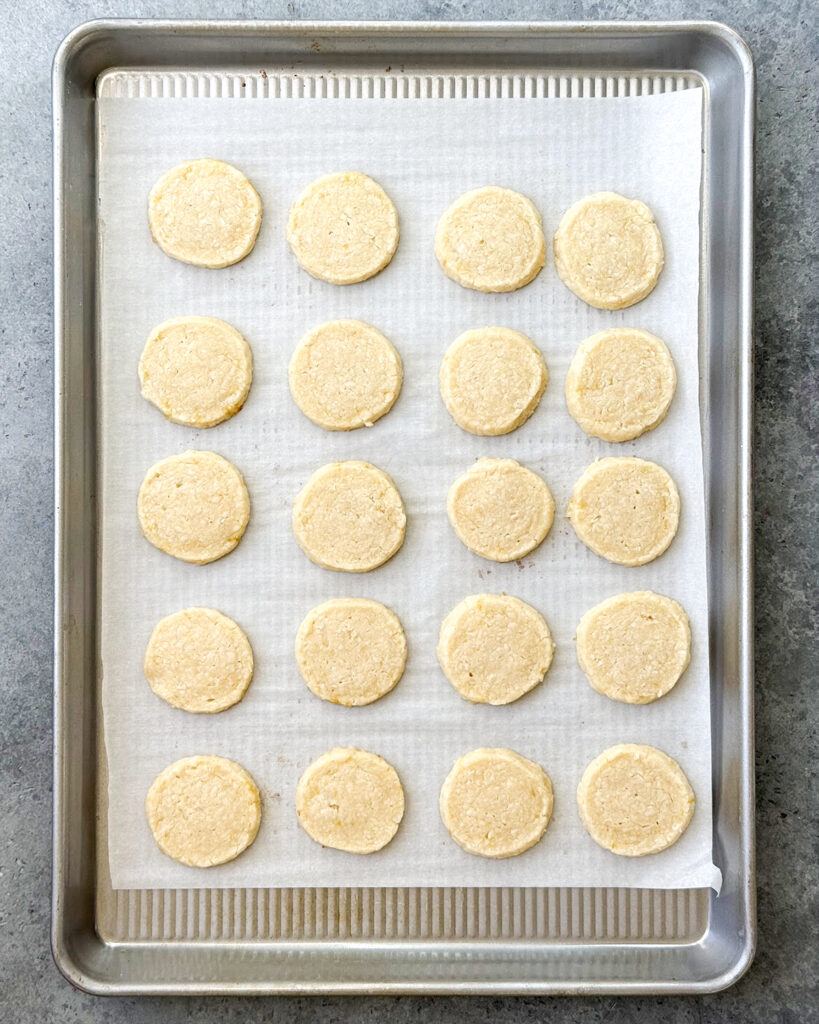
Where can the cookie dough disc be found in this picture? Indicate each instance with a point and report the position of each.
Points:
(196, 370)
(349, 517)
(608, 250)
(351, 651)
(626, 510)
(496, 803)
(635, 800)
(198, 660)
(203, 810)
(491, 239)
(351, 800)
(194, 506)
(345, 374)
(494, 648)
(492, 379)
(500, 509)
(205, 212)
(634, 647)
(620, 383)
(343, 228)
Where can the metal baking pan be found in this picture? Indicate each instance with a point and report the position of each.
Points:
(436, 940)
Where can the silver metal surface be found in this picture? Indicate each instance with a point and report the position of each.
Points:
(403, 940)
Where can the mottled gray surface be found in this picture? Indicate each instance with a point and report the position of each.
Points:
(781, 985)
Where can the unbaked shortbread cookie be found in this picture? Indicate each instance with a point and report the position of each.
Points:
(634, 647)
(351, 650)
(205, 212)
(194, 506)
(203, 810)
(491, 239)
(500, 509)
(493, 648)
(626, 510)
(496, 803)
(351, 800)
(343, 228)
(635, 800)
(492, 379)
(345, 374)
(349, 517)
(196, 370)
(608, 250)
(620, 383)
(198, 660)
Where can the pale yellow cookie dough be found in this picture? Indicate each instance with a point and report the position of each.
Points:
(620, 383)
(343, 228)
(496, 803)
(493, 648)
(491, 239)
(634, 647)
(203, 810)
(345, 374)
(351, 650)
(500, 509)
(198, 660)
(635, 800)
(492, 379)
(351, 800)
(205, 212)
(196, 370)
(608, 250)
(194, 506)
(626, 510)
(349, 517)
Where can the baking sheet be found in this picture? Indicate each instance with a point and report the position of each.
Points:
(424, 152)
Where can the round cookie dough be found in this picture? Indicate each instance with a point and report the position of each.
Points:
(196, 370)
(634, 647)
(491, 239)
(205, 212)
(608, 250)
(198, 660)
(345, 374)
(194, 506)
(493, 648)
(349, 517)
(500, 509)
(351, 800)
(203, 810)
(620, 383)
(492, 379)
(635, 800)
(343, 228)
(626, 510)
(351, 651)
(496, 803)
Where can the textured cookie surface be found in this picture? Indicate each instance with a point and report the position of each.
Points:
(491, 239)
(343, 228)
(194, 506)
(620, 383)
(496, 803)
(608, 250)
(345, 374)
(492, 379)
(626, 510)
(203, 810)
(351, 800)
(493, 648)
(351, 650)
(205, 212)
(635, 800)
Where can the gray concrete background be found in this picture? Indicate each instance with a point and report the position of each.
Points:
(781, 985)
